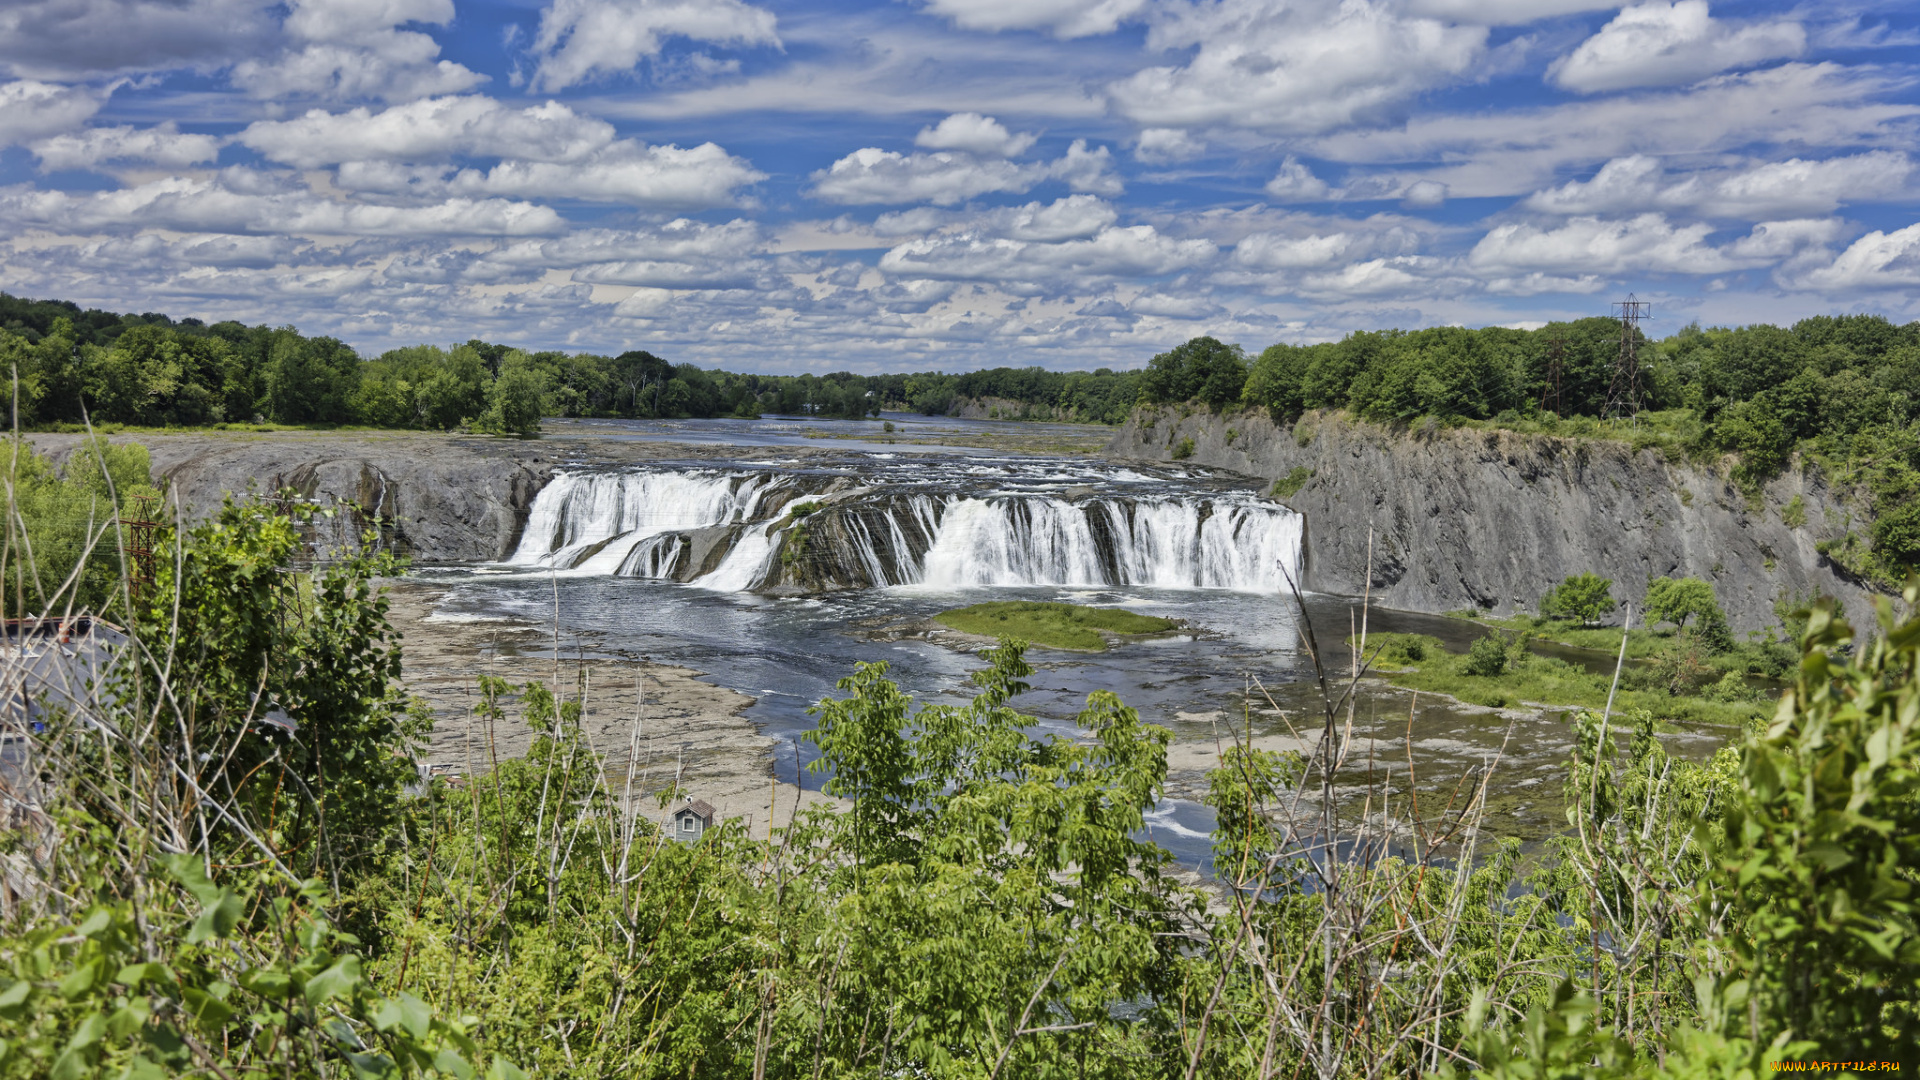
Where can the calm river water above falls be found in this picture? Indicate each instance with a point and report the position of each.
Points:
(687, 564)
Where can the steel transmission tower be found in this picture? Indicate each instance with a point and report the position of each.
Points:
(1623, 397)
(1551, 399)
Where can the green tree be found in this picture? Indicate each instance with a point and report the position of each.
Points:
(454, 393)
(1277, 382)
(234, 637)
(310, 380)
(1201, 369)
(1675, 601)
(1584, 598)
(517, 399)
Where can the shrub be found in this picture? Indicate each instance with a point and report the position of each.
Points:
(1488, 657)
(1183, 449)
(1289, 485)
(1583, 598)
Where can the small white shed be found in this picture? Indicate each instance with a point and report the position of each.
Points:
(693, 819)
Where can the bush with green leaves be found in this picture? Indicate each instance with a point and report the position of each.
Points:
(182, 976)
(187, 833)
(1583, 598)
(1488, 657)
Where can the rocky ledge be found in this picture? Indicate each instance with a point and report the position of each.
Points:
(1463, 517)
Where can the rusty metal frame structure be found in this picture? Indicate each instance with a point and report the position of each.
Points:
(143, 534)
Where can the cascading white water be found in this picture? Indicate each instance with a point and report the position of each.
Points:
(630, 524)
(599, 523)
(1164, 542)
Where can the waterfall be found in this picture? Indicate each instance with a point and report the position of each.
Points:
(1166, 542)
(647, 524)
(604, 523)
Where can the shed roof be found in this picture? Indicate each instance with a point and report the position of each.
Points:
(698, 806)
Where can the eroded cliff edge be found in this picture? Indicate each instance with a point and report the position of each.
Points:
(1489, 519)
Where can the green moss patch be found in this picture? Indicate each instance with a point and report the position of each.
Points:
(1057, 626)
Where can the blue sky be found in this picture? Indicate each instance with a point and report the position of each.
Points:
(915, 184)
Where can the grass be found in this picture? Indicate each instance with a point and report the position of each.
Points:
(1642, 644)
(1056, 626)
(1419, 662)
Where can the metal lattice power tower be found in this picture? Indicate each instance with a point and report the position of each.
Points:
(1623, 397)
(1551, 398)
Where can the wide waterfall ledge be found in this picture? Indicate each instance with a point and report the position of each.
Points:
(935, 524)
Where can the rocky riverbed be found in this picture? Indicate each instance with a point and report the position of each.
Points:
(659, 720)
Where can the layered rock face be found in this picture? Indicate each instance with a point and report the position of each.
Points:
(1489, 519)
(435, 498)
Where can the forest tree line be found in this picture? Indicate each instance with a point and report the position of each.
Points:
(152, 370)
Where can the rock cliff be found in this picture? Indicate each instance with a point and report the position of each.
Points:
(1490, 519)
(436, 498)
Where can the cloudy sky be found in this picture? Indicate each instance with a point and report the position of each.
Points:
(786, 185)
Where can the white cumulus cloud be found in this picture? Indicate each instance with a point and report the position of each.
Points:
(431, 129)
(1294, 66)
(873, 176)
(1660, 44)
(1161, 146)
(164, 145)
(1795, 185)
(547, 151)
(654, 176)
(192, 205)
(1296, 183)
(1070, 218)
(1647, 243)
(30, 109)
(1130, 251)
(976, 134)
(1065, 18)
(350, 49)
(581, 39)
(1878, 260)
